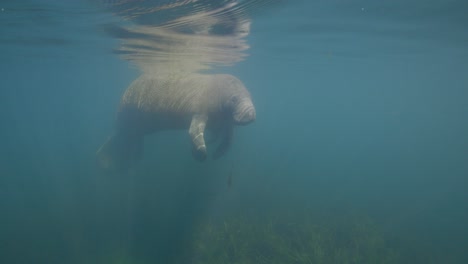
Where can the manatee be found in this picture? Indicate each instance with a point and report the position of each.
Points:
(194, 102)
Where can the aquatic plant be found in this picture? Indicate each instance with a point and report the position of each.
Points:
(272, 240)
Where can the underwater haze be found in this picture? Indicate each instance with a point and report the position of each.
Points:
(358, 154)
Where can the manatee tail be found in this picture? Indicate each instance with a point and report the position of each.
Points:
(119, 153)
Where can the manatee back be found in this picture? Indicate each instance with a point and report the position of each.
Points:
(188, 94)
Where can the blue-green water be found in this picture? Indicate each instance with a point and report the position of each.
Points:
(359, 153)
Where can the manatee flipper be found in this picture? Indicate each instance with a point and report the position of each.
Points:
(119, 153)
(225, 141)
(196, 132)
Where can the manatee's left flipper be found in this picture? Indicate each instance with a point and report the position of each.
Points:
(196, 131)
(225, 142)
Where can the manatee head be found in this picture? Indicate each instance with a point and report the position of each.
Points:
(243, 109)
(238, 101)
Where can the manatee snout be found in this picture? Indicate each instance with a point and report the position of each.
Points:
(245, 113)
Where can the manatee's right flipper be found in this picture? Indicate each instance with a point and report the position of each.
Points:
(119, 153)
(196, 131)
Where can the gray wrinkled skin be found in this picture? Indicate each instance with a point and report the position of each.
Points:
(192, 102)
